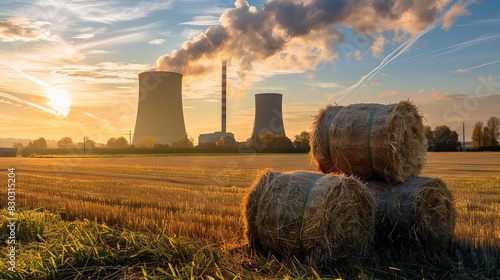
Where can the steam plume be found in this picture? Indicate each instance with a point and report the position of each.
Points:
(248, 35)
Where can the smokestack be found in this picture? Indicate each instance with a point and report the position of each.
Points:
(268, 114)
(223, 116)
(159, 113)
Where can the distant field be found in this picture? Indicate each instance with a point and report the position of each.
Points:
(200, 196)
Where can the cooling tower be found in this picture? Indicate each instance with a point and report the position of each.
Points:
(268, 114)
(160, 108)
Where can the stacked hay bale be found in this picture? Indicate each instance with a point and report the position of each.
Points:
(324, 218)
(370, 140)
(387, 143)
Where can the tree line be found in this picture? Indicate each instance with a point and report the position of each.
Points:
(486, 135)
(266, 141)
(442, 138)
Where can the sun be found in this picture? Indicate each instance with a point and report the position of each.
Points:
(60, 100)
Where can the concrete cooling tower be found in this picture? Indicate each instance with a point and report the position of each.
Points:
(159, 114)
(268, 114)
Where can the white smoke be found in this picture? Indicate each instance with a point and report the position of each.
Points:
(280, 28)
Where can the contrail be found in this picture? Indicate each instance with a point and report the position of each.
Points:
(404, 47)
(388, 59)
(52, 93)
(31, 78)
(456, 47)
(19, 100)
(482, 65)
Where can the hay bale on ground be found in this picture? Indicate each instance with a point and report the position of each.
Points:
(370, 140)
(420, 211)
(304, 214)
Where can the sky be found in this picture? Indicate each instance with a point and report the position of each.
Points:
(69, 68)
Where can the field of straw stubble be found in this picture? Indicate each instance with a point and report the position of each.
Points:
(180, 217)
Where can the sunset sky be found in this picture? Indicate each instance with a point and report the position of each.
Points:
(69, 68)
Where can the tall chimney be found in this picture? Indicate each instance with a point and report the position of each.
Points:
(223, 116)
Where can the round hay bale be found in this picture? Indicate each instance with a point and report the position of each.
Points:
(250, 205)
(370, 140)
(309, 215)
(420, 211)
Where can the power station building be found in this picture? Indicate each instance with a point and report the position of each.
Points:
(160, 114)
(227, 137)
(268, 114)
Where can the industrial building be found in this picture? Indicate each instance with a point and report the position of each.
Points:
(160, 114)
(8, 152)
(268, 114)
(228, 137)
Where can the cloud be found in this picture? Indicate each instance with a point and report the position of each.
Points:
(461, 71)
(388, 94)
(452, 14)
(191, 33)
(89, 33)
(378, 45)
(434, 95)
(487, 79)
(357, 55)
(251, 35)
(84, 36)
(105, 72)
(202, 20)
(22, 29)
(95, 11)
(322, 84)
(156, 42)
(114, 40)
(376, 84)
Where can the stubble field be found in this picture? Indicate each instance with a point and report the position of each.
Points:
(180, 217)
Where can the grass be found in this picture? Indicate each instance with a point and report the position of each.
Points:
(179, 217)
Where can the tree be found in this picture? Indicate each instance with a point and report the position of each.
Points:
(494, 125)
(445, 139)
(486, 141)
(267, 139)
(283, 142)
(254, 141)
(477, 135)
(18, 145)
(301, 141)
(65, 143)
(40, 143)
(89, 143)
(429, 134)
(120, 142)
(225, 141)
(183, 142)
(147, 142)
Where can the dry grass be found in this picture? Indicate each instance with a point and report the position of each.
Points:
(200, 197)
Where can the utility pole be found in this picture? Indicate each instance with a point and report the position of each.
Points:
(130, 137)
(84, 140)
(463, 137)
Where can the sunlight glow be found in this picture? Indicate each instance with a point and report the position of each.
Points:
(59, 99)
